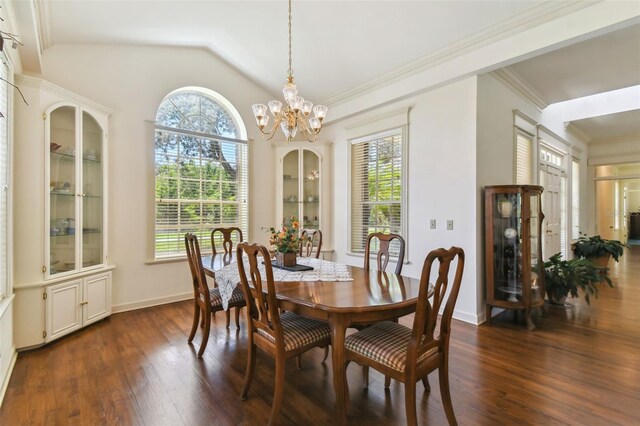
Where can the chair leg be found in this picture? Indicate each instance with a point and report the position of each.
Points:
(202, 319)
(196, 320)
(251, 364)
(326, 353)
(365, 376)
(425, 382)
(443, 374)
(278, 391)
(410, 401)
(205, 335)
(299, 361)
(228, 314)
(387, 382)
(238, 316)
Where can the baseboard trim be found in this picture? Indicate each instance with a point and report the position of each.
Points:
(5, 383)
(467, 317)
(151, 302)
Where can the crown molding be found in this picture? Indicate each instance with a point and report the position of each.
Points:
(614, 140)
(520, 86)
(622, 157)
(39, 84)
(529, 18)
(404, 111)
(43, 17)
(572, 129)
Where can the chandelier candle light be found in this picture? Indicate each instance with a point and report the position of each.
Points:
(294, 114)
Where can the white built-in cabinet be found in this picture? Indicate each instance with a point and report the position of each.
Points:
(67, 285)
(303, 187)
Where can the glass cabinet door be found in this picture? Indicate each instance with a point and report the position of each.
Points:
(310, 190)
(290, 187)
(62, 190)
(75, 222)
(507, 243)
(537, 293)
(92, 191)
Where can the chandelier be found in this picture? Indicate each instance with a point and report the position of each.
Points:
(295, 114)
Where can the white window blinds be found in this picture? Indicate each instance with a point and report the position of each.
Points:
(524, 160)
(201, 172)
(4, 178)
(575, 200)
(376, 187)
(563, 215)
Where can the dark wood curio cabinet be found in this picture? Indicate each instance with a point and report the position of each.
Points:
(513, 249)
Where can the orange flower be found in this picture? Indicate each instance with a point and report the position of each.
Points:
(296, 224)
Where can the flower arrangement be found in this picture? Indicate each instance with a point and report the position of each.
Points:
(287, 239)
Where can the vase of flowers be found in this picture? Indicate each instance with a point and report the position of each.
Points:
(286, 242)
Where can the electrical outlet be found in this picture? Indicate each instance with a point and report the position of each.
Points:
(432, 224)
(450, 225)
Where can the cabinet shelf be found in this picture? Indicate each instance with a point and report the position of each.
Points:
(71, 194)
(72, 157)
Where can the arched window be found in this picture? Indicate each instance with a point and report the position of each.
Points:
(200, 169)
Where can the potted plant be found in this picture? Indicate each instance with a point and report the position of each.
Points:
(597, 249)
(566, 277)
(286, 242)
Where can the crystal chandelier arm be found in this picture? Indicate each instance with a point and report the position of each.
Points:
(268, 135)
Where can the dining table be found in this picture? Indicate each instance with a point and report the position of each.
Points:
(341, 295)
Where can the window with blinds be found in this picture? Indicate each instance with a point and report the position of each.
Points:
(201, 172)
(376, 188)
(575, 200)
(524, 158)
(4, 177)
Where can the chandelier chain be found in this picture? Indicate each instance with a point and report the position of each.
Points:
(290, 71)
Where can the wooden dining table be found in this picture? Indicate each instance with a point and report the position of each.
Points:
(371, 296)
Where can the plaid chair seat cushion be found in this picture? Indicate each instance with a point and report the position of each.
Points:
(236, 297)
(300, 331)
(384, 342)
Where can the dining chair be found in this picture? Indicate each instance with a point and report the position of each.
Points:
(383, 255)
(310, 245)
(206, 301)
(283, 335)
(410, 354)
(227, 242)
(382, 260)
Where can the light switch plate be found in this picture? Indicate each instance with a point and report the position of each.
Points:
(450, 225)
(432, 224)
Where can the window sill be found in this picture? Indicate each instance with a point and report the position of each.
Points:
(166, 260)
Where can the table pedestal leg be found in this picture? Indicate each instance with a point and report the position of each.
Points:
(338, 330)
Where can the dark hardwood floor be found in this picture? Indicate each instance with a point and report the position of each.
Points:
(580, 366)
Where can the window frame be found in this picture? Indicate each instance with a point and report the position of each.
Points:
(242, 218)
(6, 287)
(404, 202)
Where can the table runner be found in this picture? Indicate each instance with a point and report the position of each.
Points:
(323, 270)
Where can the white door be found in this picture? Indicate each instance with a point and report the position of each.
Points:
(97, 298)
(63, 309)
(550, 179)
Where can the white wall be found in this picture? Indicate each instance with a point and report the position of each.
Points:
(132, 81)
(441, 182)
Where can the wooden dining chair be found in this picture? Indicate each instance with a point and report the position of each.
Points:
(409, 355)
(310, 243)
(227, 242)
(206, 301)
(383, 255)
(283, 335)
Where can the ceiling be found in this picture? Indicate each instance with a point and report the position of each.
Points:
(600, 64)
(337, 45)
(340, 46)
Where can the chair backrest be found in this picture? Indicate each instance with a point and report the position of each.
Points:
(310, 245)
(426, 316)
(262, 307)
(227, 243)
(383, 251)
(197, 272)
